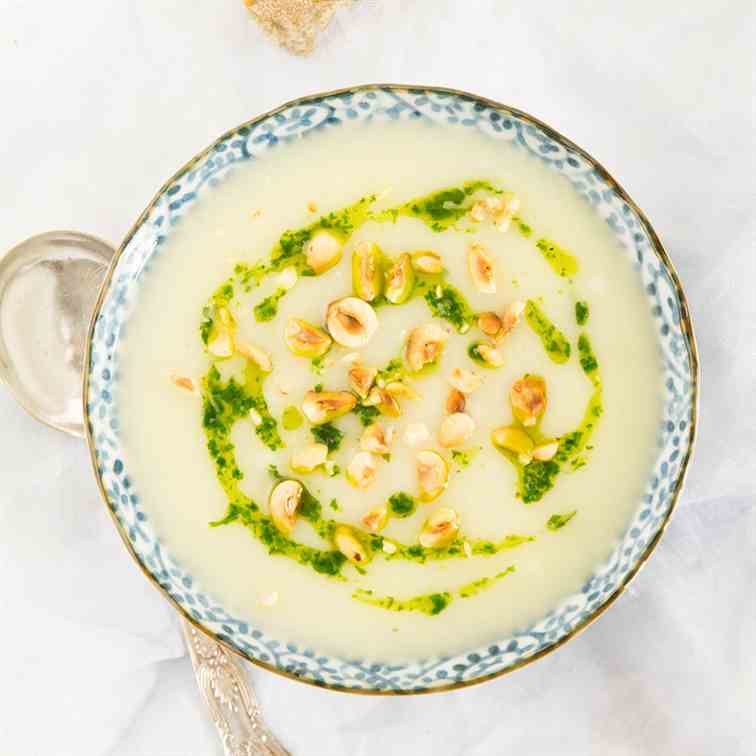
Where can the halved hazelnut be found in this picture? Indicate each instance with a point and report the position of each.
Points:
(424, 345)
(367, 275)
(455, 430)
(432, 474)
(440, 529)
(490, 323)
(400, 280)
(186, 383)
(546, 451)
(322, 252)
(254, 354)
(322, 406)
(362, 470)
(427, 261)
(481, 266)
(465, 381)
(375, 520)
(349, 545)
(361, 379)
(307, 459)
(528, 399)
(455, 401)
(351, 322)
(305, 339)
(514, 440)
(284, 502)
(478, 212)
(375, 439)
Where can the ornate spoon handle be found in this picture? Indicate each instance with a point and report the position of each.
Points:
(230, 700)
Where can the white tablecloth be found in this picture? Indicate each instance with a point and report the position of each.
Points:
(101, 102)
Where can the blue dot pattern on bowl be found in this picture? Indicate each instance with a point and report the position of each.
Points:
(297, 121)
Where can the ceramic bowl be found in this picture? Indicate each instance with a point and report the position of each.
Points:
(274, 131)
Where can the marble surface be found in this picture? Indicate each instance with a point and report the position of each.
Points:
(663, 95)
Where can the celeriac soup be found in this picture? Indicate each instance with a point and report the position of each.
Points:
(391, 391)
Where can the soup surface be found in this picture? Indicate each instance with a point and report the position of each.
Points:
(391, 391)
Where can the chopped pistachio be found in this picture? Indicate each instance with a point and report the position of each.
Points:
(322, 406)
(400, 280)
(481, 266)
(424, 345)
(362, 470)
(305, 339)
(427, 261)
(528, 399)
(455, 430)
(440, 529)
(432, 474)
(285, 499)
(310, 457)
(367, 273)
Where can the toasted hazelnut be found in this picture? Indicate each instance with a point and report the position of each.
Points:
(268, 599)
(427, 261)
(375, 520)
(455, 430)
(440, 529)
(322, 406)
(465, 381)
(546, 451)
(528, 399)
(186, 383)
(432, 474)
(349, 545)
(416, 433)
(490, 355)
(389, 547)
(478, 212)
(375, 439)
(362, 470)
(254, 354)
(481, 266)
(489, 323)
(424, 345)
(455, 401)
(284, 502)
(361, 379)
(307, 459)
(367, 273)
(322, 252)
(305, 339)
(505, 209)
(351, 322)
(400, 280)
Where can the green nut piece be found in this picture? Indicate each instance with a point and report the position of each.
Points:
(367, 271)
(400, 280)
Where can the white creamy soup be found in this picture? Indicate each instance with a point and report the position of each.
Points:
(384, 421)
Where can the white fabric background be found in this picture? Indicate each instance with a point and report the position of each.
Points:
(100, 102)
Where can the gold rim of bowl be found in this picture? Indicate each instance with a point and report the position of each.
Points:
(686, 326)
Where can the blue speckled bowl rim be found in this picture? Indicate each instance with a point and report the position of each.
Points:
(680, 307)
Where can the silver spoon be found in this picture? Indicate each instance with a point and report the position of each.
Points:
(48, 288)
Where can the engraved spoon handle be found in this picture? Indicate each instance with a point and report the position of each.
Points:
(231, 702)
(78, 263)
